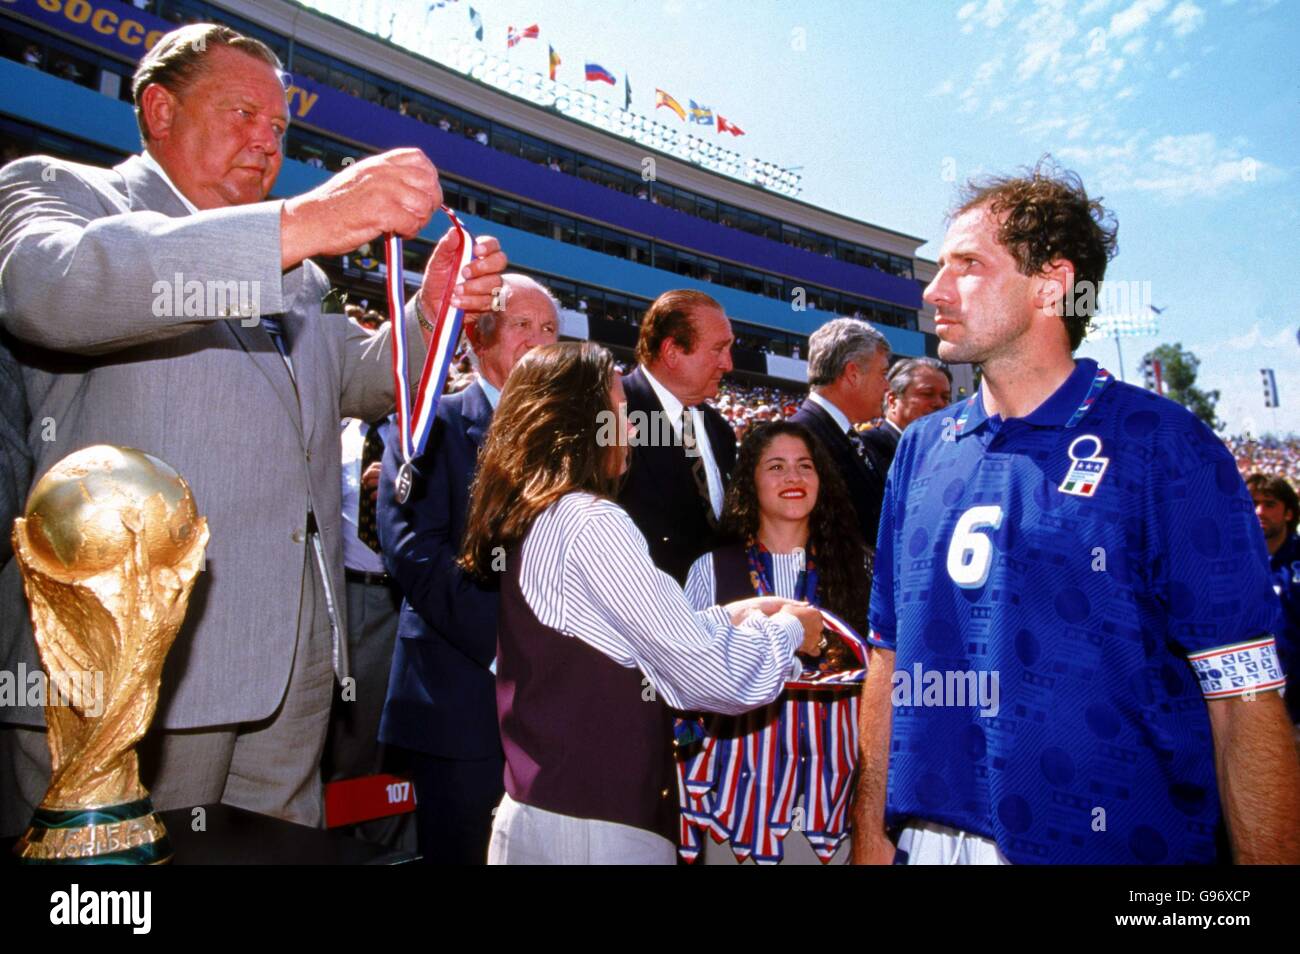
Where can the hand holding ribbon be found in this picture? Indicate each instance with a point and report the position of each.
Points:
(472, 286)
(454, 282)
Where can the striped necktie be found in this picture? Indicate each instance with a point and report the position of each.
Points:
(372, 450)
(860, 447)
(698, 471)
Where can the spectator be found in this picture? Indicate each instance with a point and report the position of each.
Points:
(917, 387)
(441, 705)
(847, 359)
(679, 473)
(581, 638)
(1278, 511)
(791, 530)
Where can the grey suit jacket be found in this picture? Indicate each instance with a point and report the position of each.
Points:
(87, 259)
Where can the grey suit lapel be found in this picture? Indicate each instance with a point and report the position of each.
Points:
(146, 191)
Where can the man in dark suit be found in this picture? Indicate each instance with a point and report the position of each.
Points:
(917, 387)
(441, 704)
(847, 359)
(683, 449)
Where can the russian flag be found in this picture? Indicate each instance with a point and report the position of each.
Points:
(598, 74)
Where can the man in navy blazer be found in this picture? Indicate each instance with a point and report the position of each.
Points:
(674, 486)
(847, 362)
(441, 704)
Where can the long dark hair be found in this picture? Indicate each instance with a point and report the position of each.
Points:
(543, 443)
(843, 584)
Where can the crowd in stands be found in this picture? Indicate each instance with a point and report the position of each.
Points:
(743, 405)
(1277, 457)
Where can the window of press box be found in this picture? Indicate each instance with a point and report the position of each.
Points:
(65, 60)
(19, 139)
(197, 11)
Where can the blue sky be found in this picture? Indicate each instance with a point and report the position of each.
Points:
(1182, 114)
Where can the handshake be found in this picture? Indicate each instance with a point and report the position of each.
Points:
(394, 192)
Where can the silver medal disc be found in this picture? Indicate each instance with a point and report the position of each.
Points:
(403, 489)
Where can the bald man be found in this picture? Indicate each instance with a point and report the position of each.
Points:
(441, 705)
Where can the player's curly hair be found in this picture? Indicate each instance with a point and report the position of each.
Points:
(843, 583)
(1048, 216)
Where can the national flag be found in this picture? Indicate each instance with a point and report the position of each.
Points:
(513, 36)
(598, 74)
(627, 92)
(663, 99)
(555, 61)
(702, 115)
(724, 126)
(476, 22)
(1270, 387)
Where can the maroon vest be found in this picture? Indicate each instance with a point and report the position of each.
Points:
(579, 735)
(731, 574)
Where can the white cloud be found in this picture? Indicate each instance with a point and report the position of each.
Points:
(1134, 46)
(1035, 55)
(1179, 71)
(1196, 165)
(992, 15)
(1093, 6)
(1185, 18)
(1256, 338)
(1135, 17)
(942, 89)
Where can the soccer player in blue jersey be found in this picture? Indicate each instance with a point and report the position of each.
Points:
(1278, 510)
(1072, 613)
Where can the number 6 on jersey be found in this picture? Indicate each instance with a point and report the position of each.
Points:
(971, 552)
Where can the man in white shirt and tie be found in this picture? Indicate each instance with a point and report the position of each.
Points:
(847, 361)
(684, 450)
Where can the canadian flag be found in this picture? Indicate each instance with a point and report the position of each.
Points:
(724, 126)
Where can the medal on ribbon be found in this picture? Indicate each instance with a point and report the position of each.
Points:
(415, 413)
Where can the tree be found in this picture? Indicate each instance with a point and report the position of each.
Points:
(1178, 369)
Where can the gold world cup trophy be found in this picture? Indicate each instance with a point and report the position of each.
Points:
(109, 549)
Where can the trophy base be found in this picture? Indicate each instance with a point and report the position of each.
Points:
(126, 834)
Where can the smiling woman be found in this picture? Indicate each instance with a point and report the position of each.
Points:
(793, 535)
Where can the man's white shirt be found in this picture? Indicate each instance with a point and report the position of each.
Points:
(673, 408)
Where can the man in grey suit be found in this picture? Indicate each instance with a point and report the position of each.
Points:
(128, 291)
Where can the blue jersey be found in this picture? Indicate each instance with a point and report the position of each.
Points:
(1063, 591)
(1285, 566)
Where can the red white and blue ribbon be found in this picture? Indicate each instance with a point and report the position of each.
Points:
(415, 412)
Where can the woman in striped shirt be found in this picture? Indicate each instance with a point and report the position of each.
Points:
(753, 779)
(594, 642)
